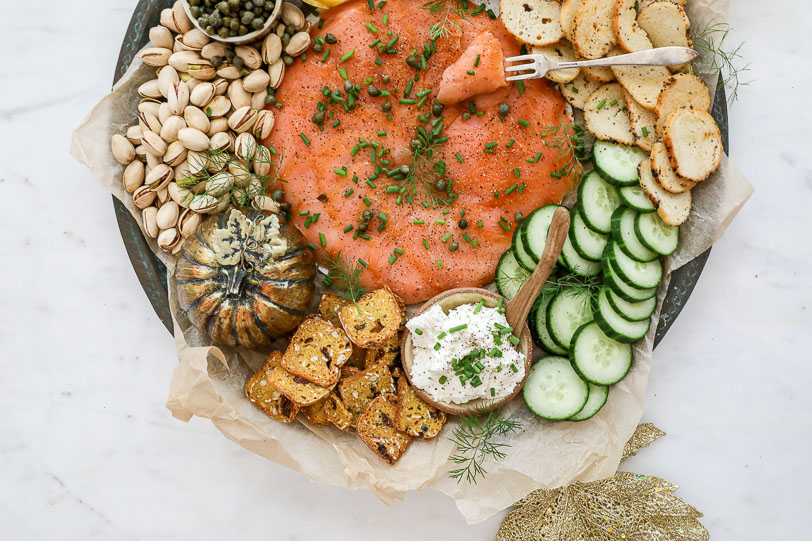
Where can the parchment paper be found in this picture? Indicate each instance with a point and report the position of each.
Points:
(208, 381)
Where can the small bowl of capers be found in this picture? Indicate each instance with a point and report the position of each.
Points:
(234, 21)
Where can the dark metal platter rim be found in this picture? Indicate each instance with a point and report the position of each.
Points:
(151, 272)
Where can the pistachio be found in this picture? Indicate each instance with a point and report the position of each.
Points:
(178, 97)
(280, 29)
(164, 112)
(161, 197)
(167, 76)
(299, 43)
(133, 177)
(150, 122)
(168, 20)
(220, 86)
(188, 222)
(222, 141)
(263, 202)
(123, 150)
(240, 171)
(178, 46)
(152, 161)
(170, 128)
(160, 177)
(141, 153)
(229, 71)
(192, 84)
(175, 154)
(148, 216)
(262, 161)
(217, 107)
(271, 49)
(197, 119)
(216, 162)
(264, 124)
(238, 95)
(193, 40)
(193, 139)
(222, 206)
(292, 16)
(160, 36)
(202, 94)
(181, 59)
(276, 71)
(143, 197)
(197, 163)
(178, 247)
(217, 125)
(201, 69)
(153, 143)
(245, 146)
(220, 183)
(258, 100)
(155, 56)
(182, 21)
(256, 81)
(179, 195)
(148, 105)
(242, 120)
(215, 48)
(203, 203)
(168, 239)
(150, 89)
(134, 134)
(168, 215)
(250, 56)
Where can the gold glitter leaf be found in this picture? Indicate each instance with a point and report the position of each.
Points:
(644, 435)
(625, 506)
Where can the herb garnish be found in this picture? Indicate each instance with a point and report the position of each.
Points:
(346, 276)
(473, 442)
(568, 142)
(449, 8)
(716, 58)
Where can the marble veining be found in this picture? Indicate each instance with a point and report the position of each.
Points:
(88, 450)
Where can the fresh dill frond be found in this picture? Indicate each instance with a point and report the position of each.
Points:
(578, 284)
(474, 442)
(428, 170)
(346, 276)
(449, 8)
(718, 57)
(569, 142)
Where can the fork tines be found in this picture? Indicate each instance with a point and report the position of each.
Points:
(531, 67)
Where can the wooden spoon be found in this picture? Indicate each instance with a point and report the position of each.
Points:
(519, 306)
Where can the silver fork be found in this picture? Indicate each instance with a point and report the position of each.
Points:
(540, 65)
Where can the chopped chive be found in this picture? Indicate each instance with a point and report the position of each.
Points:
(601, 104)
(493, 391)
(305, 139)
(538, 157)
(322, 240)
(422, 101)
(476, 62)
(439, 221)
(371, 28)
(479, 306)
(439, 264)
(645, 131)
(372, 46)
(418, 222)
(446, 237)
(340, 172)
(398, 251)
(479, 223)
(392, 189)
(378, 61)
(437, 346)
(520, 86)
(362, 262)
(326, 55)
(442, 379)
(613, 103)
(466, 237)
(371, 5)
(409, 87)
(470, 72)
(304, 212)
(513, 367)
(459, 157)
(512, 188)
(458, 328)
(312, 246)
(364, 236)
(381, 133)
(392, 41)
(367, 202)
(393, 258)
(513, 340)
(336, 123)
(490, 145)
(418, 332)
(425, 244)
(523, 123)
(355, 150)
(500, 303)
(510, 143)
(407, 101)
(442, 335)
(347, 55)
(385, 15)
(343, 73)
(349, 228)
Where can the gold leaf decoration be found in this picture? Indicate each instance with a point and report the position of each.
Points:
(625, 506)
(644, 435)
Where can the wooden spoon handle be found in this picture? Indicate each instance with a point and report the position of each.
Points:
(519, 306)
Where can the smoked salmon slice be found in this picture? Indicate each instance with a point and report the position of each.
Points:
(499, 166)
(479, 69)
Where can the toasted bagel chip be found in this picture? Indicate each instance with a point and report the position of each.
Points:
(337, 413)
(569, 9)
(558, 52)
(577, 91)
(666, 24)
(374, 319)
(414, 416)
(268, 397)
(681, 90)
(694, 143)
(388, 353)
(593, 33)
(298, 389)
(664, 175)
(606, 117)
(376, 428)
(673, 208)
(628, 33)
(330, 305)
(535, 22)
(317, 351)
(644, 83)
(356, 391)
(317, 413)
(642, 121)
(644, 3)
(599, 74)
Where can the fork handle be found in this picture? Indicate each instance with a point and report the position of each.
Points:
(662, 56)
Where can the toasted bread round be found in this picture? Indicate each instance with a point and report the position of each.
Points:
(694, 143)
(414, 416)
(374, 319)
(628, 33)
(681, 90)
(569, 9)
(593, 33)
(666, 24)
(376, 428)
(558, 52)
(673, 208)
(644, 83)
(578, 90)
(298, 389)
(642, 121)
(536, 22)
(605, 115)
(317, 351)
(664, 175)
(599, 74)
(266, 396)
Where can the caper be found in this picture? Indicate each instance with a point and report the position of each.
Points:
(322, 197)
(223, 32)
(373, 91)
(194, 3)
(381, 47)
(235, 25)
(504, 109)
(195, 11)
(238, 62)
(277, 195)
(318, 118)
(209, 29)
(363, 226)
(245, 72)
(413, 61)
(518, 216)
(246, 17)
(348, 86)
(217, 61)
(331, 39)
(466, 115)
(437, 108)
(415, 144)
(453, 247)
(441, 185)
(242, 30)
(386, 107)
(270, 100)
(257, 23)
(269, 5)
(318, 47)
(216, 19)
(223, 7)
(405, 169)
(230, 54)
(367, 214)
(463, 223)
(234, 4)
(287, 59)
(386, 78)
(284, 206)
(285, 39)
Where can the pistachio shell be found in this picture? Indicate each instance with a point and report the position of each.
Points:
(193, 40)
(242, 120)
(238, 95)
(220, 183)
(276, 72)
(168, 215)
(182, 59)
(292, 16)
(217, 107)
(147, 105)
(167, 76)
(256, 81)
(170, 128)
(153, 143)
(164, 112)
(271, 48)
(161, 197)
(141, 153)
(197, 162)
(262, 161)
(202, 94)
(178, 97)
(123, 150)
(168, 239)
(133, 177)
(188, 222)
(152, 161)
(143, 197)
(250, 56)
(229, 71)
(149, 122)
(263, 202)
(298, 44)
(160, 176)
(155, 56)
(182, 21)
(217, 125)
(245, 146)
(201, 69)
(221, 141)
(134, 135)
(179, 195)
(193, 139)
(220, 86)
(168, 20)
(215, 48)
(264, 124)
(280, 29)
(160, 36)
(150, 89)
(196, 118)
(222, 206)
(148, 216)
(175, 154)
(258, 100)
(203, 203)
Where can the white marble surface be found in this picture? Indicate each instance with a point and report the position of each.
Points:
(88, 451)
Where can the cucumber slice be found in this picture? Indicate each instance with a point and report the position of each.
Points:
(635, 273)
(553, 390)
(522, 257)
(633, 311)
(597, 358)
(534, 231)
(538, 326)
(510, 276)
(617, 163)
(613, 324)
(655, 234)
(626, 238)
(575, 263)
(568, 310)
(623, 290)
(589, 244)
(597, 200)
(635, 198)
(597, 399)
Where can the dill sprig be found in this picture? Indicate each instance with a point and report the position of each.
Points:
(474, 442)
(578, 284)
(449, 8)
(568, 140)
(718, 57)
(430, 171)
(345, 275)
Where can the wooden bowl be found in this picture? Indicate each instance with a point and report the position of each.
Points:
(250, 37)
(449, 300)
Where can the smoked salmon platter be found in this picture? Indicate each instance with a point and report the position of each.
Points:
(318, 172)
